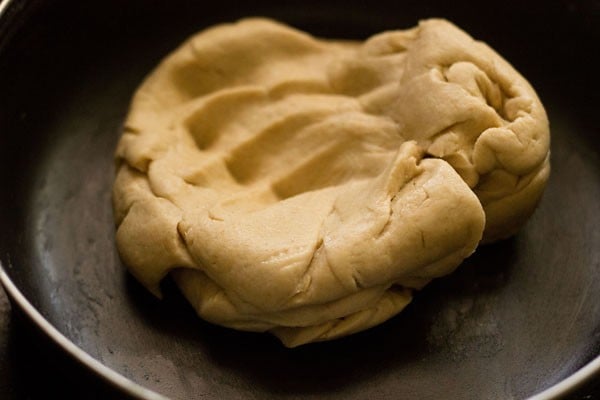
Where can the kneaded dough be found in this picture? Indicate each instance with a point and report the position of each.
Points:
(306, 187)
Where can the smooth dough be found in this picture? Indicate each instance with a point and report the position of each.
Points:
(306, 187)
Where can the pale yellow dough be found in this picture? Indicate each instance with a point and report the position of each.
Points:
(305, 187)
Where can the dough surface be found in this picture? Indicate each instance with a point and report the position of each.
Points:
(306, 187)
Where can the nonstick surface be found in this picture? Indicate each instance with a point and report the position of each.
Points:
(516, 318)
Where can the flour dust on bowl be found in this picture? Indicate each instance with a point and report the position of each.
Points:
(513, 320)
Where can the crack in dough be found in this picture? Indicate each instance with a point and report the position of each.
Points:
(306, 187)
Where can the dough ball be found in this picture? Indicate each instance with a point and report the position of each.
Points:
(307, 187)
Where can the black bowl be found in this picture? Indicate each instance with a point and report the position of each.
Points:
(520, 317)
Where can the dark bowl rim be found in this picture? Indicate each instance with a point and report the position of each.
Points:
(110, 376)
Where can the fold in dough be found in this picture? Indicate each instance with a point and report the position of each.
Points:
(305, 187)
